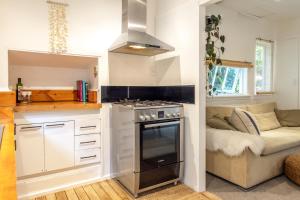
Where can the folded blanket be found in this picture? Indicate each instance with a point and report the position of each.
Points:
(233, 143)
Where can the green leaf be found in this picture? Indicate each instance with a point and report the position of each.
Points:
(219, 61)
(216, 34)
(210, 66)
(222, 38)
(223, 49)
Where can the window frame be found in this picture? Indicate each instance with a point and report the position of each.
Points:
(265, 44)
(242, 73)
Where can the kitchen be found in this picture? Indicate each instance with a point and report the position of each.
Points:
(92, 29)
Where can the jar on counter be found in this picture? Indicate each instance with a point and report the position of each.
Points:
(26, 96)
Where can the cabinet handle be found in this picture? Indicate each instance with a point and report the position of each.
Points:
(55, 125)
(88, 157)
(88, 142)
(88, 127)
(30, 128)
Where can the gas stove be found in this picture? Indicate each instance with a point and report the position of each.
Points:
(137, 104)
(148, 138)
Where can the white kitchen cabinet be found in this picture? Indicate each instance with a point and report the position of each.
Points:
(59, 145)
(29, 149)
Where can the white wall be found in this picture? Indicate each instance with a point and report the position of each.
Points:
(241, 33)
(288, 62)
(93, 26)
(178, 24)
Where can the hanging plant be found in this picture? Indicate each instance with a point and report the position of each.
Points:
(214, 47)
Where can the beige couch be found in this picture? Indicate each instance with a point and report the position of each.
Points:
(248, 170)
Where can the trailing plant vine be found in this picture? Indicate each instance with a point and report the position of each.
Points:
(214, 47)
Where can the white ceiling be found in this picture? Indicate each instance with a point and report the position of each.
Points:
(275, 10)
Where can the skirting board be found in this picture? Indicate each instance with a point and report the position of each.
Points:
(43, 185)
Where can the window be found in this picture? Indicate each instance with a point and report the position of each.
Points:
(228, 80)
(263, 66)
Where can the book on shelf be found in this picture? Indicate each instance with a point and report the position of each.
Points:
(82, 91)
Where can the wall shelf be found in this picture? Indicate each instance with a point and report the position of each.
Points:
(56, 106)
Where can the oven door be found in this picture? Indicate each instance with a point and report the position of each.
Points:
(159, 144)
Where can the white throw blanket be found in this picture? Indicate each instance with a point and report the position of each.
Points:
(233, 143)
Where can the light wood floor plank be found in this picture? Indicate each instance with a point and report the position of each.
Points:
(211, 196)
(100, 192)
(61, 195)
(119, 190)
(71, 194)
(111, 190)
(41, 198)
(51, 197)
(81, 193)
(108, 189)
(91, 192)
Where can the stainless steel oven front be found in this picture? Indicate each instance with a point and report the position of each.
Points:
(159, 145)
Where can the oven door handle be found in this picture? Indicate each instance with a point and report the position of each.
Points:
(161, 124)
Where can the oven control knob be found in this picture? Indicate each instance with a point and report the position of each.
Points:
(153, 116)
(178, 114)
(168, 115)
(147, 117)
(174, 115)
(142, 118)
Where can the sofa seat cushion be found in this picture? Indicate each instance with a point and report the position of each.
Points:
(280, 139)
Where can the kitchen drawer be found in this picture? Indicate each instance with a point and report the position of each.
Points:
(87, 126)
(87, 156)
(87, 141)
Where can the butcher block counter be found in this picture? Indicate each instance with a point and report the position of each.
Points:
(7, 155)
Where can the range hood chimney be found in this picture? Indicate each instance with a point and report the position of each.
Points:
(134, 39)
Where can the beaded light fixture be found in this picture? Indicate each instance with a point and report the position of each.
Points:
(58, 30)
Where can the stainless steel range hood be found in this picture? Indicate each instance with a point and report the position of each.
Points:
(134, 39)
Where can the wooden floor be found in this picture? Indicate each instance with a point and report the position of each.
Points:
(110, 190)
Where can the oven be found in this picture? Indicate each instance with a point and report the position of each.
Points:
(147, 145)
(160, 151)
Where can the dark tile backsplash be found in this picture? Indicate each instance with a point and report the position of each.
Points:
(113, 93)
(181, 94)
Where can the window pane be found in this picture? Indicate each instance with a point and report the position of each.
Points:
(263, 66)
(228, 80)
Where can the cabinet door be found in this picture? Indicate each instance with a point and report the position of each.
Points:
(59, 145)
(30, 149)
(287, 79)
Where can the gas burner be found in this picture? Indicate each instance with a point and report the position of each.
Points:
(147, 104)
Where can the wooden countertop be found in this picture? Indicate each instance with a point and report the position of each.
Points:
(7, 156)
(56, 106)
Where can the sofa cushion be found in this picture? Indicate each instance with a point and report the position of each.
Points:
(280, 139)
(288, 117)
(225, 111)
(244, 121)
(219, 123)
(267, 121)
(261, 108)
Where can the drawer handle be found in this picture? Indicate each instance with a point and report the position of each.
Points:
(88, 127)
(55, 125)
(30, 128)
(88, 157)
(88, 143)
